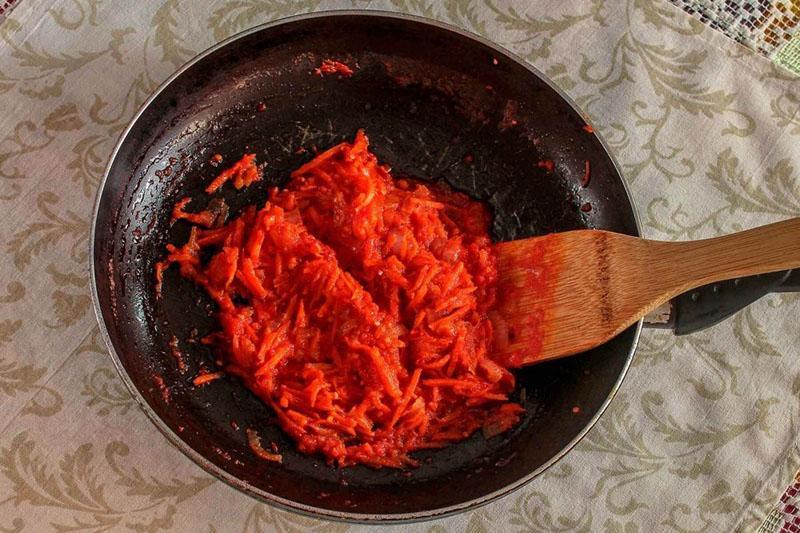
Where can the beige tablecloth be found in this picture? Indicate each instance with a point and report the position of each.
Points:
(703, 434)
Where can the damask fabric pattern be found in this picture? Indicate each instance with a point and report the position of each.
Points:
(703, 433)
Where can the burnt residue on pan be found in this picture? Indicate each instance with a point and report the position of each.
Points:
(437, 105)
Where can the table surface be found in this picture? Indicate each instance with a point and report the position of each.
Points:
(703, 433)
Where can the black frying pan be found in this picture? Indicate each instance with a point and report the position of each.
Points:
(427, 95)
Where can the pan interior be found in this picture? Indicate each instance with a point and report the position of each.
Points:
(426, 97)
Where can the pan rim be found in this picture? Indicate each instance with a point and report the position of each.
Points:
(235, 482)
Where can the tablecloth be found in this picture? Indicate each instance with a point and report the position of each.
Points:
(703, 433)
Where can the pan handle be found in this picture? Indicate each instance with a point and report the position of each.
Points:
(705, 306)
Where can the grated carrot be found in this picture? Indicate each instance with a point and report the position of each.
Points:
(206, 377)
(356, 307)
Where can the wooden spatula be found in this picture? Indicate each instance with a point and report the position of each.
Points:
(565, 293)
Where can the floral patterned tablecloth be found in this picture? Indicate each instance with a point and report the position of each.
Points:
(703, 434)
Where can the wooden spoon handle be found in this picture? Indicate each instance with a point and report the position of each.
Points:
(686, 265)
(568, 292)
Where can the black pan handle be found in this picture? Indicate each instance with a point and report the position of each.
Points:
(707, 305)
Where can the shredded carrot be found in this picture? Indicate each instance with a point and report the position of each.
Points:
(177, 354)
(586, 174)
(329, 66)
(412, 385)
(356, 306)
(207, 377)
(243, 173)
(254, 441)
(203, 218)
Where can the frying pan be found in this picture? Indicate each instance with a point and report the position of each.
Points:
(437, 104)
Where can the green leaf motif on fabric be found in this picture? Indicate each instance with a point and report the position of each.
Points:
(267, 519)
(27, 138)
(42, 64)
(87, 164)
(39, 236)
(237, 15)
(664, 17)
(786, 111)
(115, 115)
(45, 403)
(166, 37)
(673, 77)
(654, 348)
(418, 7)
(749, 331)
(63, 118)
(15, 291)
(537, 33)
(559, 470)
(695, 469)
(102, 386)
(559, 75)
(723, 373)
(68, 306)
(532, 512)
(615, 480)
(72, 15)
(464, 13)
(80, 485)
(16, 377)
(104, 390)
(613, 526)
(479, 522)
(616, 434)
(7, 329)
(709, 437)
(776, 192)
(717, 500)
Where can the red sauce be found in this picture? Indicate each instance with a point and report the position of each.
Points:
(162, 387)
(509, 119)
(546, 164)
(329, 66)
(356, 306)
(177, 354)
(587, 174)
(523, 341)
(206, 377)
